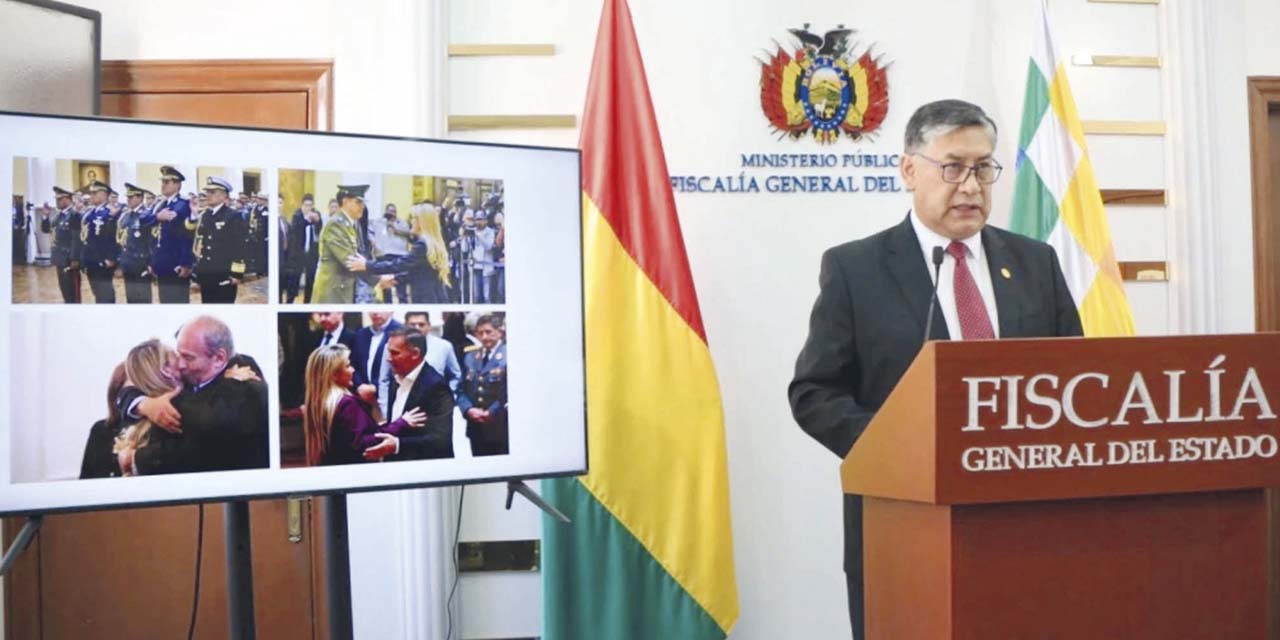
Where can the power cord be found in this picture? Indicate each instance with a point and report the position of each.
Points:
(448, 605)
(195, 598)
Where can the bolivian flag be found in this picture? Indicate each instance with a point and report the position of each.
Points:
(650, 550)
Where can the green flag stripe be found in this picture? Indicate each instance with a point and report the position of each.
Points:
(1035, 212)
(1034, 103)
(600, 582)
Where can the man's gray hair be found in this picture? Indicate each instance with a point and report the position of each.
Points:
(214, 334)
(942, 117)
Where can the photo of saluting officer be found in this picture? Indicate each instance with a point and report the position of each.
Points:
(219, 244)
(100, 251)
(137, 238)
(143, 248)
(172, 259)
(64, 253)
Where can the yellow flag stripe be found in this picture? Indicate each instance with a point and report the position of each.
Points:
(1105, 311)
(656, 426)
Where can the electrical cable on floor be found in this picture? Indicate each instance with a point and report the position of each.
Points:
(448, 605)
(195, 598)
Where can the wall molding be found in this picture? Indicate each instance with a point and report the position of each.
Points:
(1099, 60)
(487, 122)
(1132, 197)
(1123, 127)
(1191, 48)
(472, 50)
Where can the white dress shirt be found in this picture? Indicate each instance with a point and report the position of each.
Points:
(402, 394)
(976, 257)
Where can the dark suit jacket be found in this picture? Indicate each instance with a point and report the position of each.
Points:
(299, 258)
(360, 352)
(346, 336)
(868, 322)
(430, 392)
(224, 426)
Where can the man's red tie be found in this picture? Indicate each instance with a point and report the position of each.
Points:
(975, 324)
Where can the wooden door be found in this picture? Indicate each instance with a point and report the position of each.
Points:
(1264, 143)
(131, 573)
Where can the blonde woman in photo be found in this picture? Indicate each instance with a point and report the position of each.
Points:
(338, 426)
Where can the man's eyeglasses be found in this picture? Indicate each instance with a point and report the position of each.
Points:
(986, 172)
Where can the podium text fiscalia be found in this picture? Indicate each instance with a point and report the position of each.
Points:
(1072, 488)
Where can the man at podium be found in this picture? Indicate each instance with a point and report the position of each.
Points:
(875, 304)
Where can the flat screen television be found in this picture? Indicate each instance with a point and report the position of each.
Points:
(199, 313)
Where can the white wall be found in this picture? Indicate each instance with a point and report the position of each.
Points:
(755, 257)
(756, 296)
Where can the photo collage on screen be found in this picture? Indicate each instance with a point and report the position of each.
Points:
(419, 374)
(177, 389)
(394, 348)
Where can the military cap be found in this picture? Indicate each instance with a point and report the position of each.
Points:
(62, 193)
(481, 214)
(352, 191)
(133, 190)
(168, 172)
(215, 182)
(98, 185)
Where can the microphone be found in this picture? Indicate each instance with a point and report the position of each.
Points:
(933, 300)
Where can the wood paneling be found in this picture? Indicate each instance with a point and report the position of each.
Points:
(1144, 271)
(1086, 60)
(1123, 127)
(1264, 152)
(233, 88)
(1133, 196)
(469, 50)
(1264, 128)
(468, 123)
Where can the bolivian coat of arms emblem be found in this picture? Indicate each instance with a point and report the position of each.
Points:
(823, 87)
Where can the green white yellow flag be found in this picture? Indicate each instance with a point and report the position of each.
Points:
(1056, 198)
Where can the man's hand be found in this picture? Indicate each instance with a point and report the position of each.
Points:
(241, 372)
(166, 215)
(414, 417)
(367, 393)
(478, 415)
(184, 272)
(382, 449)
(159, 410)
(110, 264)
(313, 217)
(386, 282)
(357, 263)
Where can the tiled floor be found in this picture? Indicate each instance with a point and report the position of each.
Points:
(40, 284)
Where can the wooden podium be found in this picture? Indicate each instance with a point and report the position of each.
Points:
(1072, 488)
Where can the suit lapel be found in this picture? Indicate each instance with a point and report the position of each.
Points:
(906, 265)
(998, 263)
(378, 351)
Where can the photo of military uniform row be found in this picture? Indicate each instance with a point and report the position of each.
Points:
(392, 240)
(368, 387)
(150, 247)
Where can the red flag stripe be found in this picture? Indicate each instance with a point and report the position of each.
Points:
(624, 171)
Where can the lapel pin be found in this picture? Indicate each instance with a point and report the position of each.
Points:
(1004, 271)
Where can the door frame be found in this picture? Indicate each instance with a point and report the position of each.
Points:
(1264, 96)
(312, 77)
